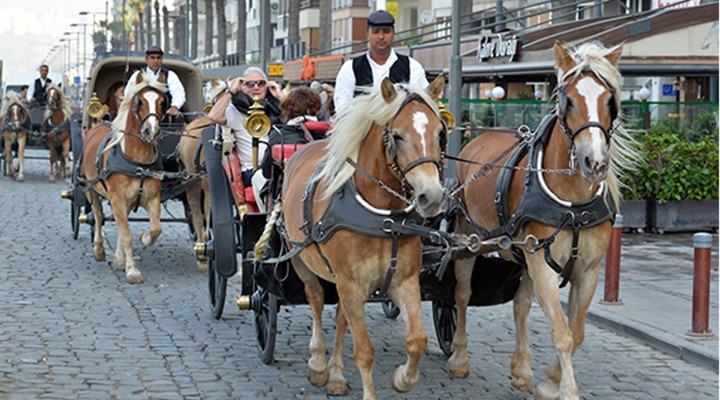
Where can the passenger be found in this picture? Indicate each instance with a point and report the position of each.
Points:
(299, 107)
(368, 70)
(36, 92)
(176, 91)
(114, 97)
(232, 109)
(23, 95)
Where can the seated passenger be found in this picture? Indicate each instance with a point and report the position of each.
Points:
(113, 99)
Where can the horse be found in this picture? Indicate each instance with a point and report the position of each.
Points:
(16, 122)
(192, 160)
(56, 126)
(386, 147)
(562, 218)
(123, 164)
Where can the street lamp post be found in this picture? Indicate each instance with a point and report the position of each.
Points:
(84, 57)
(94, 13)
(77, 52)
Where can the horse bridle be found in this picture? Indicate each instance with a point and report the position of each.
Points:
(16, 124)
(391, 152)
(136, 111)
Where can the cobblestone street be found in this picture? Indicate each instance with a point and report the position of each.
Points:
(71, 327)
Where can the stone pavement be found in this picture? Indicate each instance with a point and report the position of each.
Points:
(656, 295)
(73, 328)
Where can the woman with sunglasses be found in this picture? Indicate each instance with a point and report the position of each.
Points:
(232, 109)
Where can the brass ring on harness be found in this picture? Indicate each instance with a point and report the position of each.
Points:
(474, 243)
(531, 243)
(387, 225)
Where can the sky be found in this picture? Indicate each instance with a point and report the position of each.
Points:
(29, 29)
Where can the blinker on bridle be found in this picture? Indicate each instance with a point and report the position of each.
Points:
(391, 151)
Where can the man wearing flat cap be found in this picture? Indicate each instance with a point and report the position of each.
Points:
(368, 70)
(176, 91)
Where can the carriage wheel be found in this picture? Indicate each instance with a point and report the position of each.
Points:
(390, 309)
(445, 322)
(266, 324)
(217, 283)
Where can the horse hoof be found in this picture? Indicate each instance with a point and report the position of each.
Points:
(147, 239)
(51, 179)
(135, 278)
(99, 255)
(202, 266)
(400, 384)
(337, 388)
(522, 385)
(461, 371)
(548, 391)
(21, 178)
(318, 379)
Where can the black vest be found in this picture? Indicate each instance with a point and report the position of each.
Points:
(168, 94)
(399, 71)
(39, 94)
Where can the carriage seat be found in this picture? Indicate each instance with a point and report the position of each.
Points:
(243, 196)
(282, 152)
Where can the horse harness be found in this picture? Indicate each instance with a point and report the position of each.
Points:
(538, 204)
(347, 209)
(12, 126)
(51, 130)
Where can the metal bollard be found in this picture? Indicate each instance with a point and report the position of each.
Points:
(612, 265)
(702, 242)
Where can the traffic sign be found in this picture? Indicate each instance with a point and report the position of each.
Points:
(669, 90)
(76, 80)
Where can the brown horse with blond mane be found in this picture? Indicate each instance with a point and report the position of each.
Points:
(386, 147)
(56, 127)
(16, 122)
(127, 158)
(558, 197)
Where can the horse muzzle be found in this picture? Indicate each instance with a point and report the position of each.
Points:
(430, 200)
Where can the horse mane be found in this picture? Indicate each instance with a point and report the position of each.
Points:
(217, 86)
(11, 98)
(624, 153)
(350, 128)
(66, 106)
(131, 90)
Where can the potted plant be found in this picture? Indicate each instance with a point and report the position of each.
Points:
(678, 179)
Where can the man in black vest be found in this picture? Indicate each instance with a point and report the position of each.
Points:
(176, 91)
(368, 70)
(36, 91)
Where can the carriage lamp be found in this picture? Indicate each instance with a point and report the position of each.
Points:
(445, 114)
(257, 125)
(498, 93)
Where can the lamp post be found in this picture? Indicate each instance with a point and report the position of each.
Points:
(94, 13)
(77, 53)
(84, 57)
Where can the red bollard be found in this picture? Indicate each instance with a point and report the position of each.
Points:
(612, 264)
(702, 243)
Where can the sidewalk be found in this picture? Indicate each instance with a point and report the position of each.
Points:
(656, 291)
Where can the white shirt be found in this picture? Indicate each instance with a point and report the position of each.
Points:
(345, 81)
(31, 89)
(175, 87)
(243, 140)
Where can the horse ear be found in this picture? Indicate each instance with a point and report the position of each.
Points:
(139, 78)
(388, 90)
(563, 59)
(162, 79)
(614, 56)
(436, 87)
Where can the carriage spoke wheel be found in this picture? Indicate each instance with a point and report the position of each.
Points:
(266, 309)
(390, 309)
(445, 322)
(217, 284)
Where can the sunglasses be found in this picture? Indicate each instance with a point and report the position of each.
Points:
(254, 83)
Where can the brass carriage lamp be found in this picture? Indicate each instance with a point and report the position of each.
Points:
(445, 114)
(257, 125)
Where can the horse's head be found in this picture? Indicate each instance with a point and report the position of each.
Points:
(149, 105)
(13, 111)
(53, 97)
(588, 103)
(415, 141)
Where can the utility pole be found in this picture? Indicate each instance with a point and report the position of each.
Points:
(455, 98)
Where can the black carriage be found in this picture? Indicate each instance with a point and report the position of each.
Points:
(270, 282)
(118, 66)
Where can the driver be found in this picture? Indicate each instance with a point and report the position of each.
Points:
(36, 91)
(176, 91)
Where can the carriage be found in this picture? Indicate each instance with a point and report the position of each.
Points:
(118, 66)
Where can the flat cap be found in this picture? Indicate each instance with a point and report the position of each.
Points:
(154, 49)
(380, 19)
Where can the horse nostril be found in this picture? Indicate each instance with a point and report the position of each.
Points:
(588, 163)
(422, 200)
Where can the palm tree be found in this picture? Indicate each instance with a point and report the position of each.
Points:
(241, 32)
(208, 27)
(293, 27)
(325, 25)
(222, 29)
(193, 29)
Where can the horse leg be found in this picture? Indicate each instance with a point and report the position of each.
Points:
(8, 155)
(522, 375)
(53, 157)
(22, 141)
(153, 209)
(66, 157)
(546, 290)
(459, 362)
(98, 248)
(337, 385)
(582, 290)
(408, 298)
(317, 364)
(353, 301)
(123, 254)
(193, 194)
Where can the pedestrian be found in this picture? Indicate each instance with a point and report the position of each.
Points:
(368, 70)
(36, 91)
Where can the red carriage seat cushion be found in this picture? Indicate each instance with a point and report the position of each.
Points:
(281, 152)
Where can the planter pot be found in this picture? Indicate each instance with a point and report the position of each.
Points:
(634, 214)
(683, 215)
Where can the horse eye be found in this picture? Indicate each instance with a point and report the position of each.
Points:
(397, 137)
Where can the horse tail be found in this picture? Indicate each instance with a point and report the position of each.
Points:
(265, 237)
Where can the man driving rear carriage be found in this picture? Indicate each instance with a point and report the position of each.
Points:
(36, 91)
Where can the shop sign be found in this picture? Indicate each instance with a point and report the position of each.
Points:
(497, 46)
